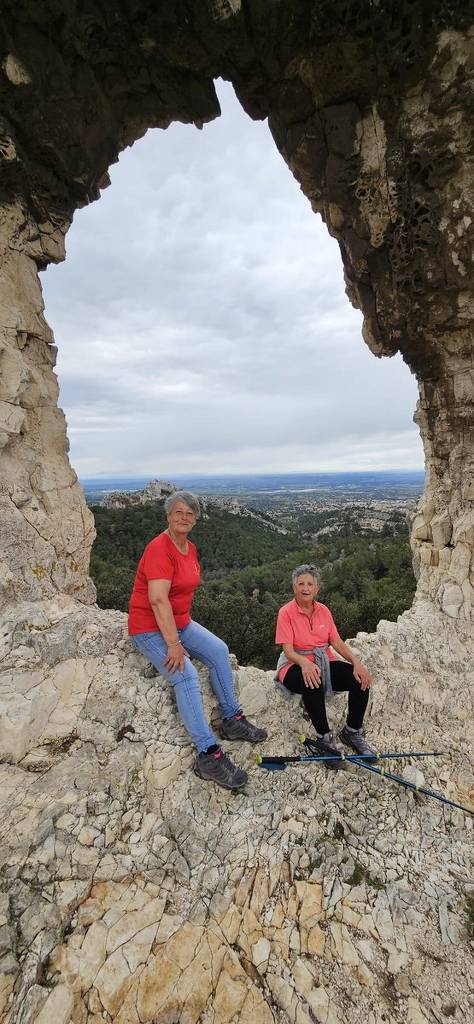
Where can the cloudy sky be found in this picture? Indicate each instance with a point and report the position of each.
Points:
(203, 326)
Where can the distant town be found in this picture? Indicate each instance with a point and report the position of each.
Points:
(316, 504)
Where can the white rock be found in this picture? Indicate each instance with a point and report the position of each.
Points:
(261, 953)
(58, 1006)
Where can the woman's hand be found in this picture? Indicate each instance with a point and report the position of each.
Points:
(311, 674)
(362, 674)
(175, 657)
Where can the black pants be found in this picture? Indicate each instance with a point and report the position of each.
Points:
(342, 678)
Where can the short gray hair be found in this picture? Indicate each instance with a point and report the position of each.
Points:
(301, 570)
(187, 498)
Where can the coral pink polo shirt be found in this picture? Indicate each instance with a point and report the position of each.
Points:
(162, 560)
(296, 628)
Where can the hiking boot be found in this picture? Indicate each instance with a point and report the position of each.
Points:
(357, 741)
(239, 728)
(217, 767)
(328, 744)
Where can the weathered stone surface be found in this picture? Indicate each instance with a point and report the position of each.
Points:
(150, 895)
(47, 661)
(130, 891)
(46, 530)
(58, 1006)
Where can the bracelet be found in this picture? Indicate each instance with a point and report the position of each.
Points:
(176, 643)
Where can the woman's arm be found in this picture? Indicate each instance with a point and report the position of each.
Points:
(158, 591)
(360, 672)
(310, 671)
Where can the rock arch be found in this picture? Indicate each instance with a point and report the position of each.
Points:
(368, 103)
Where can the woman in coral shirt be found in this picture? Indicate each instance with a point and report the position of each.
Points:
(308, 666)
(161, 627)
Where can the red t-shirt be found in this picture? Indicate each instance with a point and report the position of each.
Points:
(162, 560)
(295, 628)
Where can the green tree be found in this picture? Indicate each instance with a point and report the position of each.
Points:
(247, 574)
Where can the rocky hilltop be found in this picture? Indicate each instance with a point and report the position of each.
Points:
(134, 893)
(158, 490)
(155, 490)
(130, 892)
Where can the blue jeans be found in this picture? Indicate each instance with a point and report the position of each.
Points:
(214, 653)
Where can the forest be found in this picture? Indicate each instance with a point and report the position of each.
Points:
(365, 576)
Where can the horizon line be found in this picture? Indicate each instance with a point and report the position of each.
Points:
(189, 476)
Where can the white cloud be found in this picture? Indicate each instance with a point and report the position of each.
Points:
(202, 322)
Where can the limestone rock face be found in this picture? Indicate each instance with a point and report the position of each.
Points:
(132, 892)
(371, 107)
(45, 527)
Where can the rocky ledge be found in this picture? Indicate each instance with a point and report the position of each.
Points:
(133, 893)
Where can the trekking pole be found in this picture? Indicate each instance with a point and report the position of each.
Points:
(311, 745)
(280, 762)
(411, 785)
(274, 763)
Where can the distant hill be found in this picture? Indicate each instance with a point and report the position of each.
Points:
(155, 490)
(159, 490)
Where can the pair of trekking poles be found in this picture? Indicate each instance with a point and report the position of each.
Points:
(281, 762)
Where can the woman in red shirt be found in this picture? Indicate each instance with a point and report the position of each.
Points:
(161, 627)
(307, 632)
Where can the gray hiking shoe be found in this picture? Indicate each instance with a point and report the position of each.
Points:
(239, 728)
(357, 741)
(219, 768)
(328, 744)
